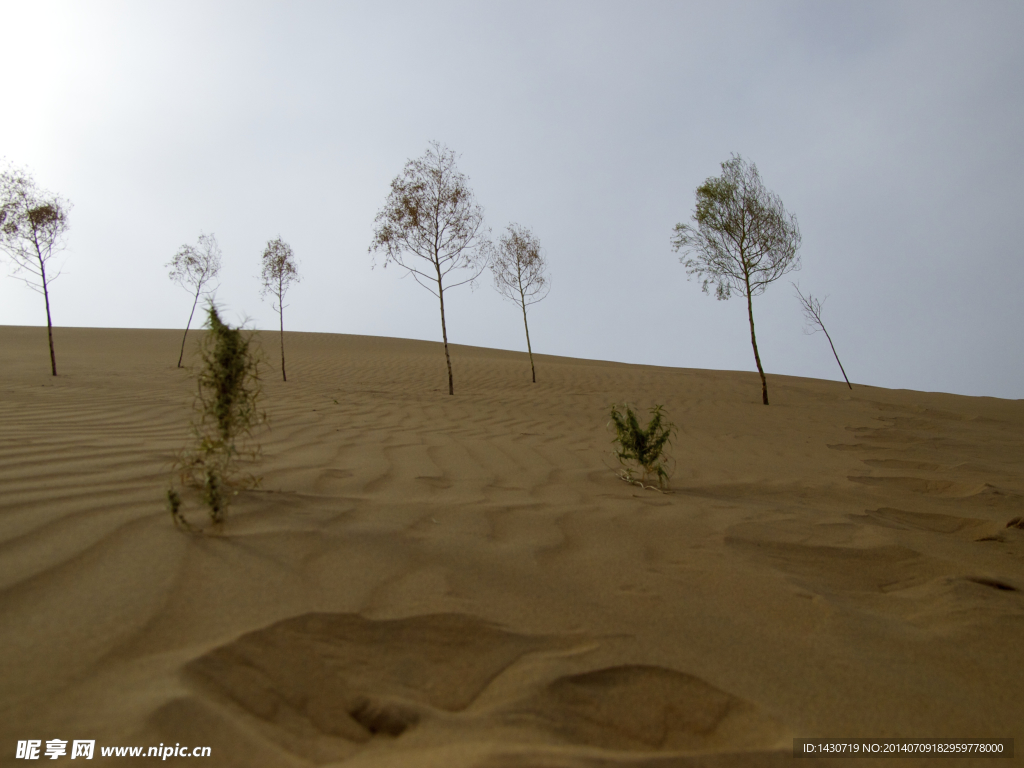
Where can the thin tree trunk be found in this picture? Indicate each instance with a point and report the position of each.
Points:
(837, 356)
(444, 334)
(49, 322)
(528, 347)
(187, 326)
(753, 341)
(280, 305)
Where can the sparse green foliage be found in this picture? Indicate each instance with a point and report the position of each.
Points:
(227, 403)
(33, 226)
(642, 448)
(742, 239)
(174, 503)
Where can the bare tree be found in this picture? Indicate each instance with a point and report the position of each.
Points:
(812, 313)
(432, 226)
(742, 239)
(518, 268)
(192, 267)
(33, 227)
(279, 272)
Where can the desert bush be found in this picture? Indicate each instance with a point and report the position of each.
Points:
(642, 449)
(227, 413)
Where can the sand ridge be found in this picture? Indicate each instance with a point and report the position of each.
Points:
(433, 580)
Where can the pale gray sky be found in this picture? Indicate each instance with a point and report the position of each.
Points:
(891, 129)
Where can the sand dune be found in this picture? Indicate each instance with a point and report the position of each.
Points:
(425, 580)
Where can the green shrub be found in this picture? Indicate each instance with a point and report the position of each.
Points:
(640, 449)
(227, 406)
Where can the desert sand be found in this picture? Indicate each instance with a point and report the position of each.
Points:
(426, 580)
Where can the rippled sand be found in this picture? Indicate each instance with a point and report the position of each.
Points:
(426, 580)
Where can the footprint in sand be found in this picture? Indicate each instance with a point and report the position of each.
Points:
(327, 683)
(645, 708)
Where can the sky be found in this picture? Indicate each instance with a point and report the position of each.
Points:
(892, 130)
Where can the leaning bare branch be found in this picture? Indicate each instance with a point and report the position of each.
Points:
(812, 316)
